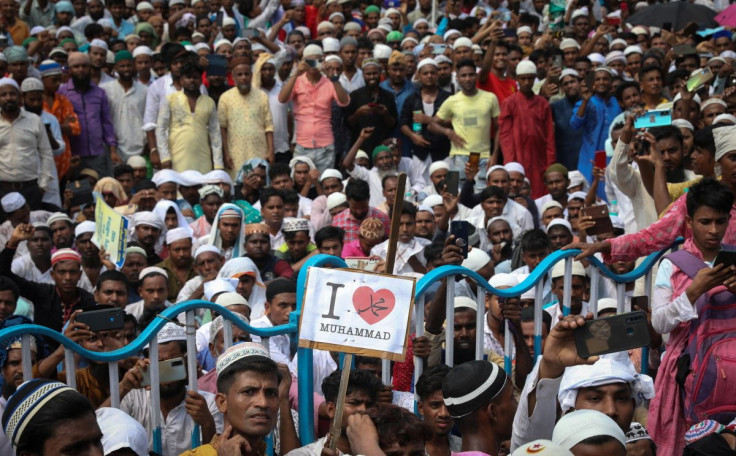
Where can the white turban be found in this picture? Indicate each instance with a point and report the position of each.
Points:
(515, 167)
(85, 227)
(177, 234)
(438, 165)
(725, 141)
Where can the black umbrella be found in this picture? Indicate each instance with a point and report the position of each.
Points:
(679, 14)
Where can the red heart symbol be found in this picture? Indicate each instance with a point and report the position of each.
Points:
(373, 306)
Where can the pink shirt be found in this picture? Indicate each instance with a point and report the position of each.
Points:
(313, 111)
(352, 249)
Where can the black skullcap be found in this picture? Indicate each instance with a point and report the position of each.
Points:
(471, 385)
(278, 286)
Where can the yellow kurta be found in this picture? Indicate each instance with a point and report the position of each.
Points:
(247, 119)
(190, 140)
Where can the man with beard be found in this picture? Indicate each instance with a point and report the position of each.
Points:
(147, 229)
(279, 111)
(188, 132)
(11, 362)
(444, 74)
(258, 249)
(426, 147)
(179, 264)
(371, 106)
(358, 195)
(501, 236)
(181, 409)
(567, 140)
(91, 262)
(245, 120)
(97, 53)
(127, 97)
(135, 262)
(32, 90)
(91, 105)
(556, 180)
(112, 289)
(154, 291)
(383, 166)
(351, 77)
(61, 230)
(27, 164)
(36, 264)
(207, 263)
(55, 303)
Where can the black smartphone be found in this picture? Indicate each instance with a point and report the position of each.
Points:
(612, 334)
(509, 32)
(642, 302)
(459, 229)
(218, 18)
(103, 319)
(82, 192)
(250, 33)
(727, 257)
(452, 182)
(590, 79)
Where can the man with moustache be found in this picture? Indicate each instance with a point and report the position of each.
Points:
(92, 107)
(127, 97)
(11, 361)
(26, 161)
(245, 119)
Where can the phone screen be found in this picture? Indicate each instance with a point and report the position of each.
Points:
(452, 182)
(600, 159)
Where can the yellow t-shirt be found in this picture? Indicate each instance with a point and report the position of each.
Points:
(471, 119)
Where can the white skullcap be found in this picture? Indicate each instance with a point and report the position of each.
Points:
(207, 248)
(171, 332)
(144, 6)
(561, 222)
(421, 20)
(438, 165)
(541, 448)
(495, 167)
(514, 167)
(221, 42)
(503, 280)
(633, 50)
(142, 50)
(165, 175)
(711, 101)
(199, 46)
(476, 259)
(336, 14)
(153, 270)
(121, 431)
(85, 227)
(462, 42)
(524, 29)
(37, 29)
(579, 425)
(98, 43)
(613, 368)
(640, 31)
(331, 44)
(330, 172)
(725, 140)
(569, 43)
(614, 56)
(351, 26)
(228, 21)
(325, 25)
(605, 69)
(576, 195)
(442, 59)
(362, 154)
(333, 58)
(526, 67)
(424, 208)
(190, 178)
(596, 57)
(559, 269)
(336, 199)
(464, 302)
(725, 117)
(10, 82)
(231, 298)
(682, 123)
(58, 217)
(549, 205)
(136, 161)
(607, 304)
(716, 59)
(477, 49)
(216, 286)
(312, 50)
(728, 54)
(177, 234)
(569, 72)
(618, 41)
(219, 322)
(381, 52)
(678, 97)
(147, 218)
(12, 201)
(576, 178)
(579, 12)
(243, 351)
(433, 200)
(110, 59)
(450, 33)
(409, 39)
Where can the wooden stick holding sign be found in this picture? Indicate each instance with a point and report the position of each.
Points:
(355, 312)
(393, 234)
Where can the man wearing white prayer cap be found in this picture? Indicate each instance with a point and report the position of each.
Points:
(148, 230)
(180, 423)
(92, 266)
(153, 290)
(179, 265)
(586, 431)
(437, 174)
(531, 143)
(541, 447)
(216, 346)
(331, 182)
(207, 263)
(579, 283)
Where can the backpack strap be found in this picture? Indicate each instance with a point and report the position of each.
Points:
(686, 262)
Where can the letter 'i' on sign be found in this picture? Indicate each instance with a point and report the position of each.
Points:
(357, 312)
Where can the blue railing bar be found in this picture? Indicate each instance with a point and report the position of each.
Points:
(450, 318)
(114, 385)
(567, 287)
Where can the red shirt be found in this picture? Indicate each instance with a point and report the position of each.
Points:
(502, 88)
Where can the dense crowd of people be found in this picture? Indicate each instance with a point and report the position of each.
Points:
(241, 139)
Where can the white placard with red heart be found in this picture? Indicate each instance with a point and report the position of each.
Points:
(356, 312)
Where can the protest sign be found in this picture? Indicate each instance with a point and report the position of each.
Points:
(111, 232)
(356, 312)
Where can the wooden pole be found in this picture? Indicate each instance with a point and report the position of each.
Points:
(393, 235)
(336, 429)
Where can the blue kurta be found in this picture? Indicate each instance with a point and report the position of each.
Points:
(598, 116)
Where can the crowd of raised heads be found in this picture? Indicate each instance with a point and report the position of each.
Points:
(238, 139)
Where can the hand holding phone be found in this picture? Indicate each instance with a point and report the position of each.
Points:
(452, 183)
(170, 370)
(460, 229)
(103, 319)
(612, 334)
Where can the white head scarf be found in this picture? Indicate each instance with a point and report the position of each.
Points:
(163, 206)
(216, 240)
(236, 267)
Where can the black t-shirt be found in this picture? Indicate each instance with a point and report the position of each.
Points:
(363, 96)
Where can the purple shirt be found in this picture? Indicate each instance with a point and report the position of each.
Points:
(93, 111)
